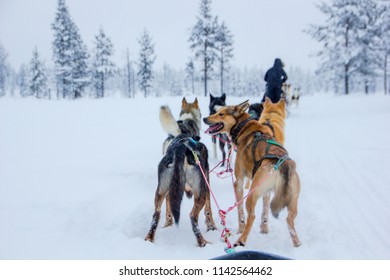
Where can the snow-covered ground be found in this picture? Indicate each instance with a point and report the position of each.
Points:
(77, 181)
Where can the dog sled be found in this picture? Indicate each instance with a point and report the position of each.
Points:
(250, 255)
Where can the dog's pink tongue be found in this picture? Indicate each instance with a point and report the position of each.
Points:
(209, 129)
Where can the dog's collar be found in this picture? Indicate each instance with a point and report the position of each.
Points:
(237, 128)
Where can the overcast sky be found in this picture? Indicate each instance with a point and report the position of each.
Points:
(262, 29)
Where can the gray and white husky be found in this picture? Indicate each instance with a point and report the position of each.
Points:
(178, 170)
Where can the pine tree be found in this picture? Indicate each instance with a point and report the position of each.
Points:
(382, 44)
(146, 60)
(23, 81)
(102, 65)
(130, 81)
(38, 79)
(3, 70)
(343, 37)
(367, 60)
(224, 45)
(80, 69)
(202, 41)
(70, 55)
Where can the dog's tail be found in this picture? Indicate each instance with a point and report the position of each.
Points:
(168, 122)
(177, 184)
(286, 185)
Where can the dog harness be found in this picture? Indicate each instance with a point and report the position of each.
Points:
(236, 130)
(261, 137)
(258, 137)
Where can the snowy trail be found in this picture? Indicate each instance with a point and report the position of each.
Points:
(78, 181)
(349, 169)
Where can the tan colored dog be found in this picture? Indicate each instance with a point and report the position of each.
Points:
(257, 155)
(273, 115)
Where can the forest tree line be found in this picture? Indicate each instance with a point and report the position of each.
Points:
(355, 42)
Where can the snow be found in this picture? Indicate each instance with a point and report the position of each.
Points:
(78, 181)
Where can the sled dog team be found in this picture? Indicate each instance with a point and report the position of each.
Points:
(257, 132)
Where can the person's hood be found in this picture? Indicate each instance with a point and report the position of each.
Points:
(278, 63)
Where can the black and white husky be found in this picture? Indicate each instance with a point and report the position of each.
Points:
(178, 171)
(215, 104)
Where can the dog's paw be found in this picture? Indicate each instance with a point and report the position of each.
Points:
(168, 223)
(210, 222)
(149, 238)
(239, 243)
(241, 226)
(264, 228)
(240, 230)
(296, 242)
(203, 242)
(211, 227)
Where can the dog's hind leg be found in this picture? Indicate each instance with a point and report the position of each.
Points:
(208, 213)
(259, 187)
(238, 190)
(250, 207)
(292, 213)
(265, 213)
(292, 208)
(214, 141)
(222, 148)
(168, 214)
(199, 202)
(158, 200)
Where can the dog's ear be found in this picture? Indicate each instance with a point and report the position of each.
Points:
(211, 97)
(267, 100)
(223, 97)
(240, 109)
(282, 103)
(184, 102)
(196, 103)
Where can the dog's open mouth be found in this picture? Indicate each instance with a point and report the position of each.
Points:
(215, 128)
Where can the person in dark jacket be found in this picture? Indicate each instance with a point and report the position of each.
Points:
(275, 77)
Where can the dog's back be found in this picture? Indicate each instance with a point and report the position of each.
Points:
(178, 168)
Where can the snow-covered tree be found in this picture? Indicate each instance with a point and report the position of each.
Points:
(367, 60)
(146, 60)
(344, 38)
(37, 77)
(129, 76)
(202, 41)
(382, 44)
(70, 55)
(102, 65)
(224, 46)
(171, 81)
(23, 81)
(80, 71)
(3, 69)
